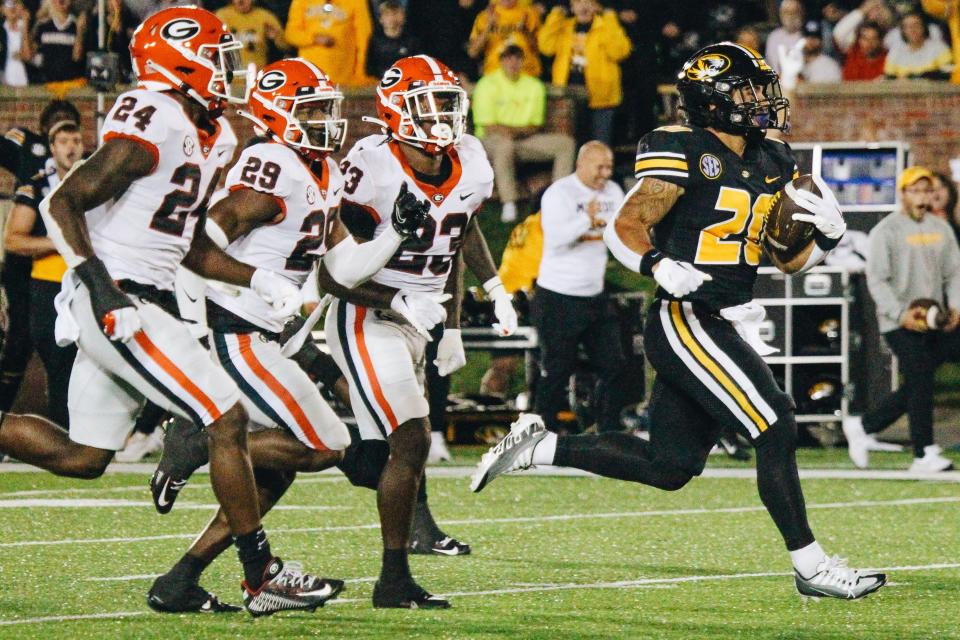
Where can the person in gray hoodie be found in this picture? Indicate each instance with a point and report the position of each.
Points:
(913, 265)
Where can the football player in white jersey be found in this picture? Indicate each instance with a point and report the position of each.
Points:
(279, 212)
(423, 110)
(164, 145)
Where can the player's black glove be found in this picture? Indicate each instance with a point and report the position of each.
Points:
(408, 212)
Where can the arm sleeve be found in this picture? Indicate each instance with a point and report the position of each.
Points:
(26, 194)
(296, 32)
(141, 117)
(615, 40)
(879, 275)
(549, 34)
(261, 169)
(845, 31)
(661, 154)
(11, 146)
(562, 223)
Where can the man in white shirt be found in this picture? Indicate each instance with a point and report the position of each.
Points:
(569, 307)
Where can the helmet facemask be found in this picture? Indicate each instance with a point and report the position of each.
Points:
(314, 122)
(230, 80)
(757, 105)
(434, 116)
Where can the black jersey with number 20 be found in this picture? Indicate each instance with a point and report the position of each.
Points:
(716, 223)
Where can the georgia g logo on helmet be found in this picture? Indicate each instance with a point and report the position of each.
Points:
(391, 76)
(272, 80)
(180, 29)
(707, 66)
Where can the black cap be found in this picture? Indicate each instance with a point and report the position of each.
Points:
(811, 29)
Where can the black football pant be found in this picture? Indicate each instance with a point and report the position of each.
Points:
(17, 346)
(563, 323)
(58, 361)
(708, 379)
(918, 356)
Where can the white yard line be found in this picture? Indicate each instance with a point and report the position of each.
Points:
(334, 475)
(620, 584)
(100, 503)
(859, 504)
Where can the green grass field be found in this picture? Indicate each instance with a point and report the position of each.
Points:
(554, 557)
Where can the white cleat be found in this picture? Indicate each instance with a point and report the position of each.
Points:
(438, 448)
(932, 461)
(513, 453)
(857, 441)
(834, 579)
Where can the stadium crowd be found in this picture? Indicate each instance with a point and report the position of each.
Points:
(581, 43)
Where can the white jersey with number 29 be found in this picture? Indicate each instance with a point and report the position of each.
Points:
(144, 233)
(373, 172)
(290, 244)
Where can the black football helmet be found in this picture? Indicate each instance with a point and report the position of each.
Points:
(731, 88)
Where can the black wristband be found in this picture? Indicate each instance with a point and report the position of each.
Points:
(825, 243)
(649, 260)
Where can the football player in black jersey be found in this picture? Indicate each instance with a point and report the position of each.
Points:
(693, 222)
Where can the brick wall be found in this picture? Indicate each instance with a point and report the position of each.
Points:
(21, 107)
(924, 113)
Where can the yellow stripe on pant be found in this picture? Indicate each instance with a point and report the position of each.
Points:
(715, 370)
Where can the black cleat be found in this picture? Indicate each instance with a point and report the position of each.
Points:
(405, 595)
(444, 546)
(426, 538)
(170, 594)
(287, 588)
(184, 451)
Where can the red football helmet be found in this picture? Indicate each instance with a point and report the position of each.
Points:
(420, 101)
(294, 102)
(189, 49)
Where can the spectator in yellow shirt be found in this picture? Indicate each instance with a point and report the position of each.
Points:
(254, 27)
(588, 47)
(502, 23)
(332, 35)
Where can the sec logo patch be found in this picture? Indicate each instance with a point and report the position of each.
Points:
(710, 166)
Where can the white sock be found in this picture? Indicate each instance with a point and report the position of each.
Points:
(806, 560)
(546, 450)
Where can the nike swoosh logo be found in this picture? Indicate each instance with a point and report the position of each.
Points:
(464, 197)
(325, 591)
(768, 179)
(336, 191)
(176, 485)
(189, 297)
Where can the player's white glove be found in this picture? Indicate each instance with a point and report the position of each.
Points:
(280, 293)
(121, 324)
(422, 310)
(824, 209)
(679, 278)
(450, 354)
(506, 324)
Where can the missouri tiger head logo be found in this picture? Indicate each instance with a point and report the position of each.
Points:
(707, 66)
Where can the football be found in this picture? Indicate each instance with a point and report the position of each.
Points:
(783, 236)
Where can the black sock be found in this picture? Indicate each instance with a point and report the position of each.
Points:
(618, 455)
(254, 551)
(778, 482)
(189, 568)
(395, 567)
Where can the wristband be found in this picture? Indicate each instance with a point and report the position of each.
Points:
(492, 284)
(649, 260)
(825, 243)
